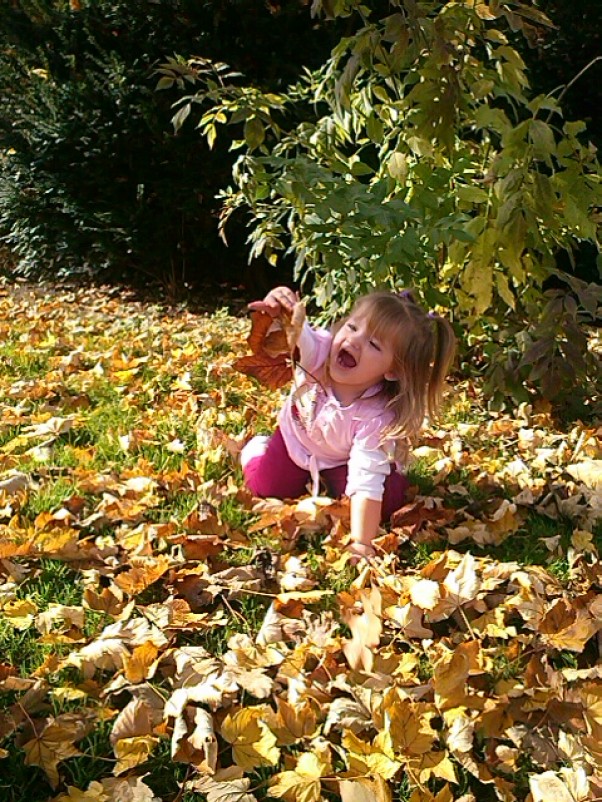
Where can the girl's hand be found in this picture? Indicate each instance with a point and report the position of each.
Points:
(361, 551)
(276, 301)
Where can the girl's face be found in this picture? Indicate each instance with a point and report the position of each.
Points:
(357, 359)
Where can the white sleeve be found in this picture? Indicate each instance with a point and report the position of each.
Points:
(369, 464)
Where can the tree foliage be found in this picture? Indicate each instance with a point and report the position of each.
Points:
(417, 154)
(89, 174)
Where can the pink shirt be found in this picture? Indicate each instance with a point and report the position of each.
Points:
(319, 432)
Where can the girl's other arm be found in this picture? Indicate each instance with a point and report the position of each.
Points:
(365, 520)
(278, 299)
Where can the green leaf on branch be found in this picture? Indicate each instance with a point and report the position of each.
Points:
(254, 133)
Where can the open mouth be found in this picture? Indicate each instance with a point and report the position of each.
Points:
(346, 359)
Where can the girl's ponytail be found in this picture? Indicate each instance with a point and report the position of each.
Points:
(443, 354)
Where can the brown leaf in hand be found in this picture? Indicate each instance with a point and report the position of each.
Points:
(267, 335)
(273, 344)
(273, 372)
(294, 327)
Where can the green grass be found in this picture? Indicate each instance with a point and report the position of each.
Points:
(8, 433)
(526, 546)
(22, 363)
(108, 412)
(19, 782)
(94, 763)
(48, 498)
(246, 616)
(54, 583)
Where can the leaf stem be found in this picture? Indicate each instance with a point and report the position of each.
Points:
(572, 81)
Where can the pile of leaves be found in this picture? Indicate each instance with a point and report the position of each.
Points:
(166, 636)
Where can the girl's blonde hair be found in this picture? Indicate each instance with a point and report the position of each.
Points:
(423, 345)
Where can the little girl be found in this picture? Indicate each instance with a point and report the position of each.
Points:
(361, 392)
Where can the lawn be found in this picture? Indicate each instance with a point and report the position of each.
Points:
(165, 636)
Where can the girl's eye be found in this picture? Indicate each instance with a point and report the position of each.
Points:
(352, 326)
(375, 345)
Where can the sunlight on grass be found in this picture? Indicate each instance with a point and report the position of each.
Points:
(53, 583)
(22, 363)
(48, 498)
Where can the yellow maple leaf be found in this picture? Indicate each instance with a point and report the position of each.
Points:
(591, 699)
(409, 726)
(142, 574)
(581, 540)
(131, 752)
(55, 541)
(20, 613)
(140, 665)
(449, 679)
(375, 759)
(253, 743)
(433, 764)
(304, 783)
(292, 723)
(95, 792)
(422, 794)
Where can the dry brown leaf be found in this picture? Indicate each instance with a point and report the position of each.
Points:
(203, 739)
(54, 741)
(142, 574)
(365, 790)
(273, 372)
(226, 785)
(270, 358)
(589, 472)
(294, 327)
(548, 787)
(363, 616)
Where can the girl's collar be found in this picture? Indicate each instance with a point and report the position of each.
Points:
(369, 393)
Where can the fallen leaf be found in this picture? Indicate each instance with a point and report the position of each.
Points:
(304, 783)
(54, 741)
(226, 785)
(253, 743)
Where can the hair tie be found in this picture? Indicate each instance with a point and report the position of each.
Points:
(406, 295)
(432, 315)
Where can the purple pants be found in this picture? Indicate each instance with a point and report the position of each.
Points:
(274, 474)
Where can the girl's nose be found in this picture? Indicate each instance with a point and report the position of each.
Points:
(354, 339)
